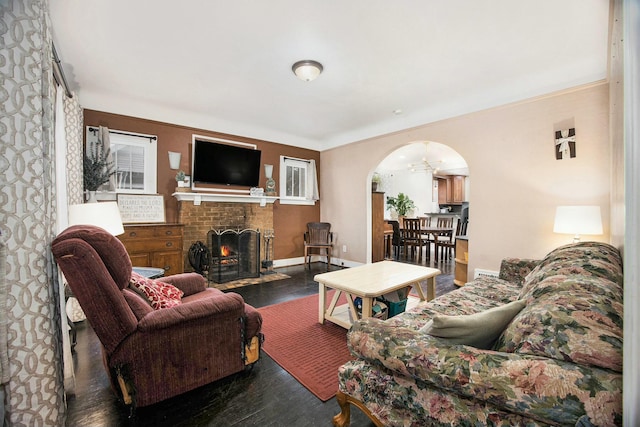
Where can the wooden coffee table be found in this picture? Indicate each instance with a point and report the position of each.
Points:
(368, 282)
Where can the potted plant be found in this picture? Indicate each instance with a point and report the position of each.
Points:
(97, 169)
(180, 176)
(401, 204)
(375, 181)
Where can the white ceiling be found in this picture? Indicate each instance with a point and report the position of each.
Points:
(226, 65)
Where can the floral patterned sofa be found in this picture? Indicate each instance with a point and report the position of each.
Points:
(557, 362)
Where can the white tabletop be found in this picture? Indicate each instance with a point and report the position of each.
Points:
(371, 280)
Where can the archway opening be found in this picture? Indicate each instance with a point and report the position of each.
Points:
(434, 176)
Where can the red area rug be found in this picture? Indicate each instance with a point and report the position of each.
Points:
(309, 351)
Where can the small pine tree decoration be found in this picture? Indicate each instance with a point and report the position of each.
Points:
(97, 168)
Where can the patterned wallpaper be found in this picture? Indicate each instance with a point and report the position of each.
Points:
(35, 395)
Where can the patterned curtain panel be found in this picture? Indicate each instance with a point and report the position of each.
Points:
(73, 131)
(34, 393)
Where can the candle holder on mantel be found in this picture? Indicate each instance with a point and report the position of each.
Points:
(271, 183)
(267, 263)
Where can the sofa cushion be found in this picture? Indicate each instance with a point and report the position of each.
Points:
(453, 303)
(477, 330)
(583, 259)
(159, 294)
(578, 322)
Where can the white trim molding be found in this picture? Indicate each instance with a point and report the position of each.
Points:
(198, 198)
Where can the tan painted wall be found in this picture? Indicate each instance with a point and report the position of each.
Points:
(516, 180)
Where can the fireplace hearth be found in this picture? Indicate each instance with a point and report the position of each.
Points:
(235, 254)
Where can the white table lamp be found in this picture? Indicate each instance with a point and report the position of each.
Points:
(105, 215)
(578, 220)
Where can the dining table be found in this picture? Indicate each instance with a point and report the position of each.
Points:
(426, 232)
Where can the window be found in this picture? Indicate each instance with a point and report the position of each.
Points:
(135, 160)
(297, 181)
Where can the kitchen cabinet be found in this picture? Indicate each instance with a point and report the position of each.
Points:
(155, 245)
(451, 189)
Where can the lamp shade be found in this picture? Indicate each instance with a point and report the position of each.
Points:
(105, 215)
(578, 220)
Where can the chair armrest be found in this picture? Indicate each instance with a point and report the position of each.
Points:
(523, 384)
(189, 283)
(218, 305)
(515, 270)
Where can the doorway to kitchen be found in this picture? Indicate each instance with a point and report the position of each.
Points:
(434, 178)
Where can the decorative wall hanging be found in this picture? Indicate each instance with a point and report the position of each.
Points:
(565, 144)
(141, 208)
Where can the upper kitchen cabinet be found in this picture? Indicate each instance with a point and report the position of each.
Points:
(450, 189)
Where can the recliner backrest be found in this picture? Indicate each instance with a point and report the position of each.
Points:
(97, 267)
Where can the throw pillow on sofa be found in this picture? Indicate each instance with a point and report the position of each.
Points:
(159, 294)
(478, 330)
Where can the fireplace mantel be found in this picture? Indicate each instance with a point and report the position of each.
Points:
(197, 198)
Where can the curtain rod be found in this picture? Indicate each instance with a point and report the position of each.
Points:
(94, 130)
(58, 72)
(299, 160)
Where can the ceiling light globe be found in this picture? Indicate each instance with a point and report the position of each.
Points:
(307, 70)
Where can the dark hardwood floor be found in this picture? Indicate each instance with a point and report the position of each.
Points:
(265, 396)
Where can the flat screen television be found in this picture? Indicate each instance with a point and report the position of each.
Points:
(223, 164)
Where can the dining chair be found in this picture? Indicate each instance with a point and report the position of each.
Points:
(445, 221)
(318, 237)
(425, 222)
(396, 240)
(412, 237)
(447, 246)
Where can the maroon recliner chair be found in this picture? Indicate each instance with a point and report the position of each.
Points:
(151, 355)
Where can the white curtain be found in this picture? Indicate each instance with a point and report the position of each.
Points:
(74, 158)
(105, 142)
(35, 390)
(4, 351)
(62, 223)
(313, 181)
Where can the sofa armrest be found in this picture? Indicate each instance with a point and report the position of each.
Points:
(514, 270)
(528, 385)
(216, 306)
(189, 283)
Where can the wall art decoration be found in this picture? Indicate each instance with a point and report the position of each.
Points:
(141, 208)
(565, 144)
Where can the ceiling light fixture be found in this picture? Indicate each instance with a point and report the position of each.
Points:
(425, 165)
(307, 69)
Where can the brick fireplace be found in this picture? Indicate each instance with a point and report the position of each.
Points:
(199, 219)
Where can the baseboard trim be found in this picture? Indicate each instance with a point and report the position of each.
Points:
(339, 262)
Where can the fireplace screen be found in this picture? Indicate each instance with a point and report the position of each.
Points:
(235, 254)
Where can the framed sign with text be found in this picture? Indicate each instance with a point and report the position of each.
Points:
(141, 208)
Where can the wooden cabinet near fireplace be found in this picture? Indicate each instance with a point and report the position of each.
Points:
(155, 245)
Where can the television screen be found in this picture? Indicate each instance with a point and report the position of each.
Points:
(223, 164)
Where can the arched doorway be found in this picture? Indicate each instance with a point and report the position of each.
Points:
(433, 175)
